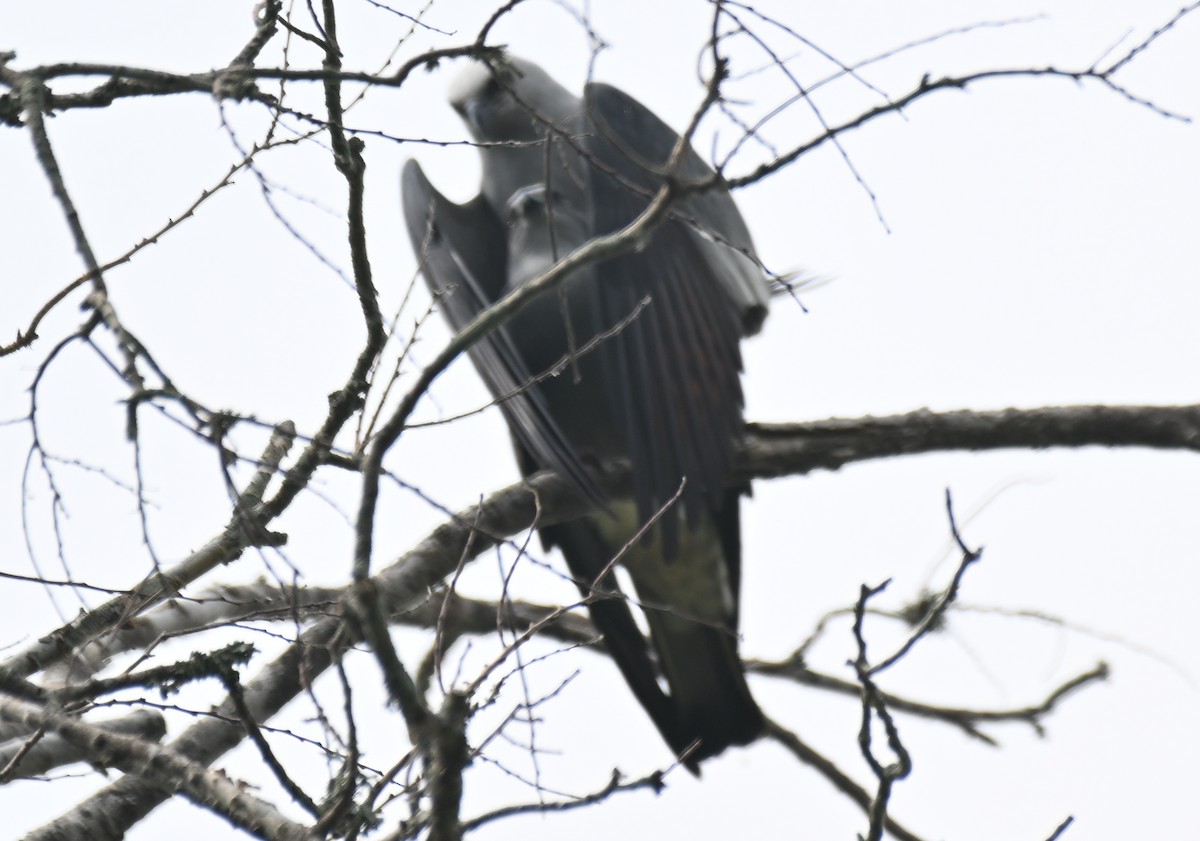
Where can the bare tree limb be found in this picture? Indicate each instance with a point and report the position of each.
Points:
(775, 450)
(144, 760)
(827, 769)
(50, 751)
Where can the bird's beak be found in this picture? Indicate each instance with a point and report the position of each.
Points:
(471, 112)
(474, 113)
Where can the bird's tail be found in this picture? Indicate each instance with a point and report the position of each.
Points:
(708, 706)
(713, 706)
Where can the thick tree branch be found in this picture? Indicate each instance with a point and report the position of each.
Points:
(27, 755)
(144, 760)
(775, 450)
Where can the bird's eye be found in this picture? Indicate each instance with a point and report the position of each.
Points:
(492, 88)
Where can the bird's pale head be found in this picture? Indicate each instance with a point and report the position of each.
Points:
(510, 99)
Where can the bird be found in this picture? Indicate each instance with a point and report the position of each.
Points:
(636, 358)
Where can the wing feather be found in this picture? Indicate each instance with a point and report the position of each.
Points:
(463, 257)
(674, 373)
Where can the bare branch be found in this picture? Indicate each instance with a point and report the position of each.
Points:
(773, 450)
(41, 752)
(145, 761)
(841, 781)
(653, 781)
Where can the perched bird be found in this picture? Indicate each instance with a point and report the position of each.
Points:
(661, 389)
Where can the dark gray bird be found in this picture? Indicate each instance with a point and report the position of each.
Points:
(663, 391)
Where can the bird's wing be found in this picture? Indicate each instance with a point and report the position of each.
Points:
(463, 257)
(644, 143)
(673, 372)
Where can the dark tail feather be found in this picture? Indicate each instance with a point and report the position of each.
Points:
(587, 556)
(709, 707)
(712, 702)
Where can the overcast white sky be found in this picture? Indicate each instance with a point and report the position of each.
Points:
(1038, 246)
